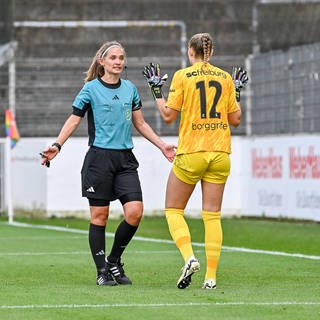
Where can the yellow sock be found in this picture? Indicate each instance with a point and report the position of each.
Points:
(179, 231)
(213, 241)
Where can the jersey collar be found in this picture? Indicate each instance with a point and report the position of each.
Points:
(110, 85)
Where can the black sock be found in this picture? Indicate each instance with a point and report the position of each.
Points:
(97, 242)
(122, 237)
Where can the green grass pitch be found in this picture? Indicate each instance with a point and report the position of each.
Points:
(49, 274)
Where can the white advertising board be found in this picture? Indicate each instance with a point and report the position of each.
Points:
(284, 178)
(270, 176)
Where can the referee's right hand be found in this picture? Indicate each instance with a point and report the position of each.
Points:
(48, 154)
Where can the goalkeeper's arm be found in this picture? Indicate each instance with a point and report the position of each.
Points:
(155, 81)
(167, 114)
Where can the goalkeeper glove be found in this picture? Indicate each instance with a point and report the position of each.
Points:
(152, 74)
(240, 79)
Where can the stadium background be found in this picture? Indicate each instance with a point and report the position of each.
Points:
(277, 40)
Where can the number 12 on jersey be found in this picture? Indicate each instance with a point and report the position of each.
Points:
(203, 99)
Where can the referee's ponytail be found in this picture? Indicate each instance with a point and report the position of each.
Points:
(96, 69)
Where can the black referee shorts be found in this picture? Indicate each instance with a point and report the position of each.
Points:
(108, 175)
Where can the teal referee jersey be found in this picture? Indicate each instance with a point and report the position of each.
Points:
(109, 108)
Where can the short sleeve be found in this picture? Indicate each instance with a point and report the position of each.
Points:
(136, 103)
(82, 99)
(175, 97)
(81, 102)
(232, 105)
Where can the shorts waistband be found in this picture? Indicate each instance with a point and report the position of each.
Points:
(105, 149)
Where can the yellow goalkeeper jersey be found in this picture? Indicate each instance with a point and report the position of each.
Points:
(204, 94)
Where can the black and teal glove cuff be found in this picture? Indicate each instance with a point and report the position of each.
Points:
(238, 95)
(157, 92)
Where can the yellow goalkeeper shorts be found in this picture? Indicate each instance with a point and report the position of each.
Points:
(213, 167)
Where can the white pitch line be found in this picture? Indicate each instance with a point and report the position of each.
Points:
(228, 248)
(274, 253)
(8, 254)
(161, 305)
(43, 238)
(48, 253)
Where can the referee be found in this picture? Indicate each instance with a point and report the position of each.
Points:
(109, 171)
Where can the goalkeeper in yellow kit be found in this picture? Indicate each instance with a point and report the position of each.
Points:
(208, 99)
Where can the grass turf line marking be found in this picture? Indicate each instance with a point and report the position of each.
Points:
(7, 254)
(42, 253)
(227, 248)
(43, 238)
(161, 305)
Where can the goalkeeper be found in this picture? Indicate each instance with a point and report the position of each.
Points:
(209, 101)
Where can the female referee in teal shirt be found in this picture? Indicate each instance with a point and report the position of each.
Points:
(109, 170)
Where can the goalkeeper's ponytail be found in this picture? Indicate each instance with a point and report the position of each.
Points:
(207, 47)
(202, 45)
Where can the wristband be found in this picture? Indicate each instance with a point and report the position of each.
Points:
(238, 95)
(58, 145)
(157, 92)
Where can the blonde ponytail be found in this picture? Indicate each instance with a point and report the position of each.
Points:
(202, 45)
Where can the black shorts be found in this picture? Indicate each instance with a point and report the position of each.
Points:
(108, 175)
